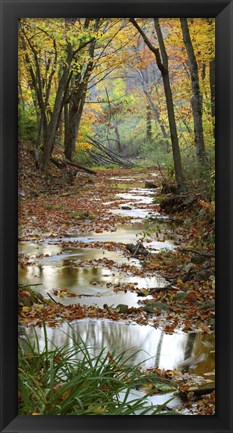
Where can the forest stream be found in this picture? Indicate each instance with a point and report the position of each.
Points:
(93, 269)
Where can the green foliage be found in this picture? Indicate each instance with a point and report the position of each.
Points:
(69, 381)
(27, 126)
(198, 177)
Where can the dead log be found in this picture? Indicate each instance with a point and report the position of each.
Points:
(60, 163)
(197, 392)
(200, 253)
(81, 167)
(114, 156)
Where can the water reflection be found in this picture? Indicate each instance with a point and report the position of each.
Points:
(200, 356)
(58, 255)
(96, 282)
(143, 345)
(125, 233)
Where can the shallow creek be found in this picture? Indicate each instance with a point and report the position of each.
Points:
(92, 274)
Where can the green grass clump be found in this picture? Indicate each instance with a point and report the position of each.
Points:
(70, 381)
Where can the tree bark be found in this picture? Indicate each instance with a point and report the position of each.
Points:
(74, 119)
(170, 108)
(77, 98)
(148, 124)
(212, 86)
(157, 118)
(163, 67)
(118, 140)
(54, 118)
(196, 100)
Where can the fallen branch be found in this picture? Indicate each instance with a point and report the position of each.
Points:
(74, 164)
(197, 392)
(154, 290)
(116, 158)
(58, 303)
(200, 253)
(62, 163)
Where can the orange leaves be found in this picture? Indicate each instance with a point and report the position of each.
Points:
(191, 297)
(25, 294)
(169, 329)
(184, 388)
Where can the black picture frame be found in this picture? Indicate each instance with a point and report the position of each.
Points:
(222, 10)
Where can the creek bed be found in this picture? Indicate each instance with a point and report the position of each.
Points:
(90, 274)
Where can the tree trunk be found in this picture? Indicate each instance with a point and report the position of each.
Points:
(148, 124)
(57, 109)
(170, 107)
(163, 67)
(157, 118)
(173, 133)
(77, 98)
(118, 140)
(75, 115)
(52, 128)
(66, 124)
(196, 100)
(212, 86)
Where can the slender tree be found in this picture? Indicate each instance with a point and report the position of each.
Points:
(212, 86)
(197, 97)
(162, 64)
(77, 95)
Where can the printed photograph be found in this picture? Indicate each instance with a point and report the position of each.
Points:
(116, 216)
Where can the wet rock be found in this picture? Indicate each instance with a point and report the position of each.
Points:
(137, 249)
(188, 267)
(150, 307)
(198, 260)
(126, 207)
(206, 305)
(179, 296)
(122, 308)
(150, 184)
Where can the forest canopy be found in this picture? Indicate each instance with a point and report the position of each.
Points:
(142, 87)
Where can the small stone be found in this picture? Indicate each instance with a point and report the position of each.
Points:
(125, 207)
(151, 307)
(206, 305)
(188, 267)
(150, 184)
(122, 308)
(198, 260)
(179, 296)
